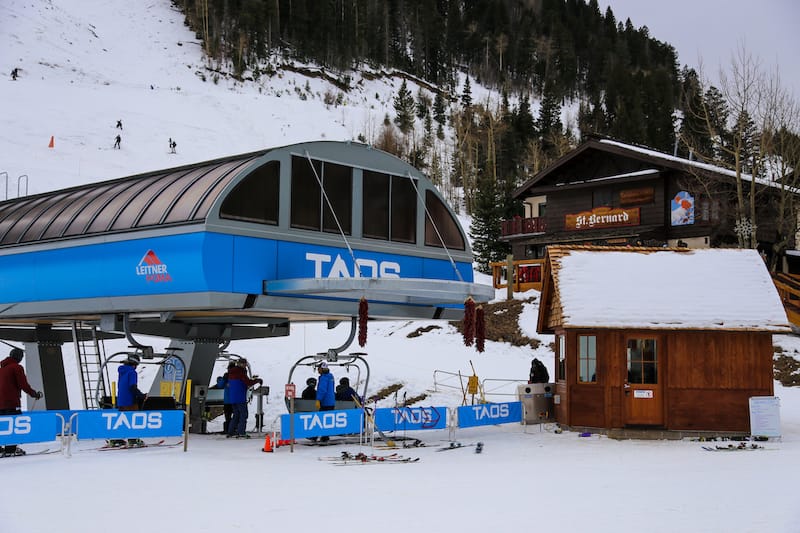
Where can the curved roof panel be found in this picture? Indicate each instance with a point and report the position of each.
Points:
(168, 197)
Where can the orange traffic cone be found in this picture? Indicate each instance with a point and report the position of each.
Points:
(267, 444)
(52, 142)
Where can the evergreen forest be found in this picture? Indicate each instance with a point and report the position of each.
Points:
(625, 84)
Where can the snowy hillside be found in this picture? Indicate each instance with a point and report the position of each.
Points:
(86, 64)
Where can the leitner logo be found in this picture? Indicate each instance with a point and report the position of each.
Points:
(152, 268)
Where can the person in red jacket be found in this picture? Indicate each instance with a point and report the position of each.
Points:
(12, 383)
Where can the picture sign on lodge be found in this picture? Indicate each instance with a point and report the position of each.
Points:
(602, 217)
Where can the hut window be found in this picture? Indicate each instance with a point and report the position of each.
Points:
(587, 358)
(255, 198)
(561, 371)
(642, 361)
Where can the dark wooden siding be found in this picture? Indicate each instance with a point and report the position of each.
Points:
(707, 379)
(562, 203)
(711, 376)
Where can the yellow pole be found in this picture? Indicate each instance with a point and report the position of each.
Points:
(186, 414)
(510, 276)
(114, 394)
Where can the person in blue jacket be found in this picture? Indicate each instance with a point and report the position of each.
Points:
(346, 393)
(227, 405)
(238, 383)
(326, 395)
(129, 397)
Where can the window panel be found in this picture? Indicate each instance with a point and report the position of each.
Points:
(375, 210)
(642, 361)
(337, 181)
(255, 199)
(306, 196)
(404, 210)
(587, 358)
(444, 222)
(204, 194)
(561, 371)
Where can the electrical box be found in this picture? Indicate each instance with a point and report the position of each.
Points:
(537, 402)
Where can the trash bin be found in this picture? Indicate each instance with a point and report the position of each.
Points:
(537, 402)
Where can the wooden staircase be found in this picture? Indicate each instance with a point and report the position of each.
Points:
(788, 286)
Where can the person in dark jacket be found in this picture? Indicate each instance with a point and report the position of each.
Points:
(238, 383)
(346, 393)
(326, 395)
(129, 397)
(12, 383)
(310, 392)
(227, 406)
(539, 373)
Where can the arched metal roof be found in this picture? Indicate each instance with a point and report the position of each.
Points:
(169, 197)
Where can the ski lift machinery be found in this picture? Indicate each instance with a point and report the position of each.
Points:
(334, 358)
(146, 356)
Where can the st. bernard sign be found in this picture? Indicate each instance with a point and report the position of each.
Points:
(603, 217)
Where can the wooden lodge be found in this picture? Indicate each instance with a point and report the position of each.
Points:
(669, 338)
(610, 193)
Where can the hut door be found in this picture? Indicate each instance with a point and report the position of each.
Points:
(644, 401)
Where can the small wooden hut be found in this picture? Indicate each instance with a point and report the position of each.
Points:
(669, 338)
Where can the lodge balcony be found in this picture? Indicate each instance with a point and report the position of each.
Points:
(523, 226)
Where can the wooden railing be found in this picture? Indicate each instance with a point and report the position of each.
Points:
(788, 286)
(522, 226)
(526, 275)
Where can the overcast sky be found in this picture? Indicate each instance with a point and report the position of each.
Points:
(710, 30)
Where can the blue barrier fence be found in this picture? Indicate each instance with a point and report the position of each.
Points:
(46, 426)
(351, 421)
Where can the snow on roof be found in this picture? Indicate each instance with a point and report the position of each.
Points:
(696, 164)
(719, 289)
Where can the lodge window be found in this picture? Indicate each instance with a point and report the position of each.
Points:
(390, 208)
(587, 359)
(602, 198)
(444, 222)
(561, 370)
(309, 208)
(255, 198)
(642, 361)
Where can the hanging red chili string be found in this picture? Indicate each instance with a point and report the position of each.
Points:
(469, 321)
(480, 330)
(363, 314)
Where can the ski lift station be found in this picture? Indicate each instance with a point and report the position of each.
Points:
(215, 252)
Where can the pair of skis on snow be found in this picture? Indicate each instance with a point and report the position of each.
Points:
(741, 447)
(458, 446)
(352, 459)
(160, 444)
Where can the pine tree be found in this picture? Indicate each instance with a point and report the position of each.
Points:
(404, 108)
(549, 121)
(466, 95)
(439, 109)
(486, 226)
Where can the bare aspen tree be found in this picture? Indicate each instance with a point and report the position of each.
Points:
(757, 109)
